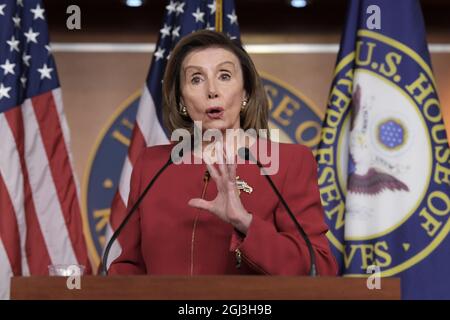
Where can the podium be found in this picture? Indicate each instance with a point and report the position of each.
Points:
(203, 288)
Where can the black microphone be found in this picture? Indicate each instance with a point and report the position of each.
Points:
(135, 206)
(244, 153)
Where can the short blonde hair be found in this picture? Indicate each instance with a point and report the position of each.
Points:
(255, 114)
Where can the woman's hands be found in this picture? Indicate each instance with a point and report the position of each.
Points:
(227, 205)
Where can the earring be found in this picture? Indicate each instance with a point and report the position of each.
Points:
(244, 104)
(183, 110)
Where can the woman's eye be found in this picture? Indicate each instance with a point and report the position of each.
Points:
(225, 76)
(196, 80)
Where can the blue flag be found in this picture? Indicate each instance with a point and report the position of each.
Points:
(384, 169)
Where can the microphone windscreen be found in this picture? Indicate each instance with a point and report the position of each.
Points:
(185, 146)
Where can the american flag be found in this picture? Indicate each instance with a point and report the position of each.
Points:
(180, 18)
(40, 220)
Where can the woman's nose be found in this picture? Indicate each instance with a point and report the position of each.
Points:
(212, 92)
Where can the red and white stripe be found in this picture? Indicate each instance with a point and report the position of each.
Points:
(147, 132)
(40, 220)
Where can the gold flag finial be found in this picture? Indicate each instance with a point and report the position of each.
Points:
(219, 14)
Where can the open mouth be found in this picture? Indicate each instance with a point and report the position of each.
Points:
(215, 112)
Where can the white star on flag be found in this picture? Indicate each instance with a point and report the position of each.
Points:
(198, 15)
(171, 7)
(212, 7)
(4, 91)
(165, 31)
(49, 49)
(232, 17)
(16, 20)
(180, 8)
(23, 79)
(31, 36)
(38, 12)
(175, 32)
(8, 67)
(20, 3)
(159, 54)
(45, 72)
(26, 59)
(208, 27)
(2, 6)
(231, 37)
(13, 44)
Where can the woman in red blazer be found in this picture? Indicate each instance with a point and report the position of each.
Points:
(207, 218)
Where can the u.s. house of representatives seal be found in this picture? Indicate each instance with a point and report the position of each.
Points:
(385, 165)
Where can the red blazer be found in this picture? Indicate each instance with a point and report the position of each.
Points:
(166, 236)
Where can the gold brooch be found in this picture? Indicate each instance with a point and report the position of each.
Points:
(242, 185)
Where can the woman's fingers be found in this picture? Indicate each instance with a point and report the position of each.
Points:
(231, 167)
(221, 160)
(230, 162)
(213, 171)
(224, 174)
(218, 178)
(201, 204)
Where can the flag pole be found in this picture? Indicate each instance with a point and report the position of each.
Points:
(219, 14)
